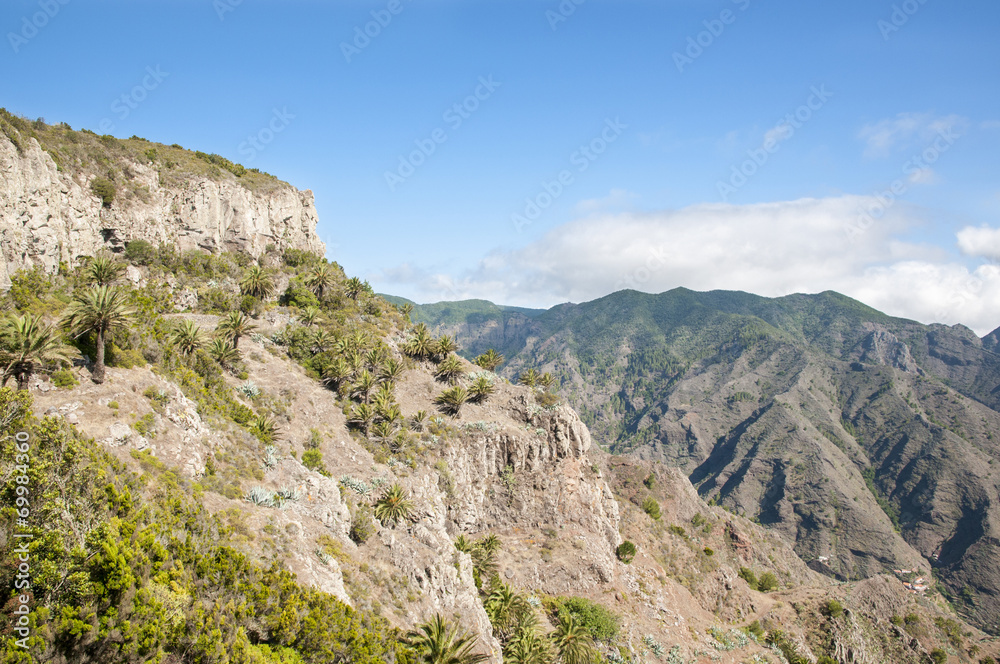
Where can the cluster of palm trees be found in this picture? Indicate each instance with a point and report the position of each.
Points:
(516, 624)
(531, 378)
(28, 345)
(421, 345)
(188, 338)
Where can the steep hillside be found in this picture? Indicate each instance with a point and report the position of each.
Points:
(237, 506)
(863, 439)
(66, 194)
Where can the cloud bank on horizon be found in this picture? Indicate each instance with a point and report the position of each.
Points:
(851, 244)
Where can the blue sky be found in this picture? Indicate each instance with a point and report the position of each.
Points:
(658, 207)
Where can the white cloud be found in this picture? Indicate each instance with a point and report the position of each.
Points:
(982, 242)
(924, 175)
(772, 249)
(904, 130)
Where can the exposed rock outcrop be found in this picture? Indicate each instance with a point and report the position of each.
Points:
(49, 216)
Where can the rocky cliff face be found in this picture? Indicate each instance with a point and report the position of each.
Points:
(50, 215)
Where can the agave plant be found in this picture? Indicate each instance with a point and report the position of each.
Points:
(452, 400)
(258, 495)
(383, 430)
(393, 506)
(375, 357)
(249, 389)
(264, 428)
(450, 369)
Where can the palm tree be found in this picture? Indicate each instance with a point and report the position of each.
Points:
(452, 399)
(335, 373)
(528, 646)
(490, 543)
(437, 642)
(450, 369)
(322, 341)
(573, 641)
(26, 346)
(103, 270)
(223, 352)
(546, 380)
(481, 389)
(505, 607)
(445, 345)
(101, 310)
(406, 309)
(489, 360)
(363, 386)
(235, 326)
(188, 337)
(311, 316)
(393, 506)
(319, 279)
(390, 370)
(355, 287)
(420, 345)
(362, 416)
(529, 378)
(256, 282)
(383, 430)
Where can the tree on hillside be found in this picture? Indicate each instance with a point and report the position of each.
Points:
(489, 360)
(103, 311)
(27, 346)
(452, 399)
(235, 326)
(355, 287)
(256, 282)
(319, 279)
(188, 337)
(573, 642)
(103, 270)
(438, 642)
(420, 344)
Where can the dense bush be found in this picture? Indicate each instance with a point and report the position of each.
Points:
(130, 569)
(602, 623)
(626, 552)
(104, 189)
(651, 507)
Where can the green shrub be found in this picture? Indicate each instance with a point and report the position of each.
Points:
(124, 359)
(626, 552)
(832, 608)
(104, 189)
(300, 257)
(362, 525)
(747, 575)
(708, 551)
(139, 252)
(602, 623)
(650, 481)
(651, 507)
(767, 582)
(146, 425)
(826, 659)
(939, 656)
(313, 460)
(64, 378)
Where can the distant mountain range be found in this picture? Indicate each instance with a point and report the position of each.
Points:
(870, 442)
